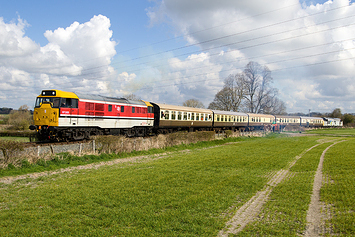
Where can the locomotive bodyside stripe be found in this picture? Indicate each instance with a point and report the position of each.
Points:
(111, 103)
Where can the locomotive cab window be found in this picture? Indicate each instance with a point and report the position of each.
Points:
(68, 103)
(109, 108)
(150, 109)
(55, 101)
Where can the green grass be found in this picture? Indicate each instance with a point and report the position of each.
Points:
(190, 191)
(19, 139)
(183, 194)
(285, 212)
(338, 192)
(334, 131)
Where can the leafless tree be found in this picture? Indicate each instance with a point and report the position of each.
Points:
(193, 103)
(259, 93)
(249, 91)
(132, 97)
(231, 95)
(275, 106)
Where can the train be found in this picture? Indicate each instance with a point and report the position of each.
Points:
(63, 116)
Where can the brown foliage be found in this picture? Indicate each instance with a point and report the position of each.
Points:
(20, 119)
(10, 149)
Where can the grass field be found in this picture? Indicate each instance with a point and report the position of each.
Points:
(190, 192)
(19, 139)
(334, 131)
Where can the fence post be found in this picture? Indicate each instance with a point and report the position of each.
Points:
(80, 147)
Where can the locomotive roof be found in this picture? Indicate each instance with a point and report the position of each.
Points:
(108, 99)
(327, 118)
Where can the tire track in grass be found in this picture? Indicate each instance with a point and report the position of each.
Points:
(249, 211)
(315, 218)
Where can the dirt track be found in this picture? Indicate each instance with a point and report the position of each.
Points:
(249, 211)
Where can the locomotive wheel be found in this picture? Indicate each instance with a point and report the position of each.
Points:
(131, 132)
(141, 132)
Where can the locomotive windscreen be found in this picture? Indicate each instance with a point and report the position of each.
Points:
(48, 93)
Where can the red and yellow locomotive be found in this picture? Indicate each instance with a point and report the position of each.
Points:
(60, 115)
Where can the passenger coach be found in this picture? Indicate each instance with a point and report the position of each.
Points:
(169, 118)
(229, 120)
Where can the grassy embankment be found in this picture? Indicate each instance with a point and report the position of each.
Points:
(190, 193)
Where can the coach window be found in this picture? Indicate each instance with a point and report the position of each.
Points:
(109, 108)
(185, 115)
(210, 117)
(179, 116)
(173, 115)
(162, 114)
(166, 114)
(188, 116)
(193, 116)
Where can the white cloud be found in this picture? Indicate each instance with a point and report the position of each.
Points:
(76, 57)
(13, 43)
(292, 39)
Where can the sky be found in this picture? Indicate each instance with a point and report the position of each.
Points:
(169, 51)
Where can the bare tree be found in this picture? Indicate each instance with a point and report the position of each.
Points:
(259, 93)
(132, 97)
(231, 95)
(275, 106)
(249, 91)
(193, 103)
